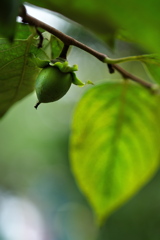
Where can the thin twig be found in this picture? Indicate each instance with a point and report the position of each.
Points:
(67, 40)
(128, 75)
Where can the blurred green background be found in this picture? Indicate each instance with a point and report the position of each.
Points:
(39, 198)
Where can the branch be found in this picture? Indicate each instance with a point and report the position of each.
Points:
(68, 41)
(128, 75)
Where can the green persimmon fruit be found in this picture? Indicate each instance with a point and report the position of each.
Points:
(52, 84)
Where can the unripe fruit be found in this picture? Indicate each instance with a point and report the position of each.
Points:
(55, 79)
(52, 84)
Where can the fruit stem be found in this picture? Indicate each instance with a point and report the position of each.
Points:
(64, 51)
(37, 104)
(40, 38)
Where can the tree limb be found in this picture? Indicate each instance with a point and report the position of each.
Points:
(68, 41)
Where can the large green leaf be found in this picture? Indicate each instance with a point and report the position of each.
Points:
(139, 20)
(17, 70)
(114, 145)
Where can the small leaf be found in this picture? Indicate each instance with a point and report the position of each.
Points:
(114, 145)
(151, 59)
(56, 47)
(89, 82)
(154, 72)
(152, 66)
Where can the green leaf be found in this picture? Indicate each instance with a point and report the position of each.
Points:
(8, 14)
(114, 145)
(18, 71)
(39, 62)
(152, 65)
(23, 31)
(154, 72)
(150, 59)
(55, 45)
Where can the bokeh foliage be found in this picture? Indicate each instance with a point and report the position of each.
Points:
(114, 143)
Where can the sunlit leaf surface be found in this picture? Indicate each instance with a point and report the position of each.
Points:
(114, 144)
